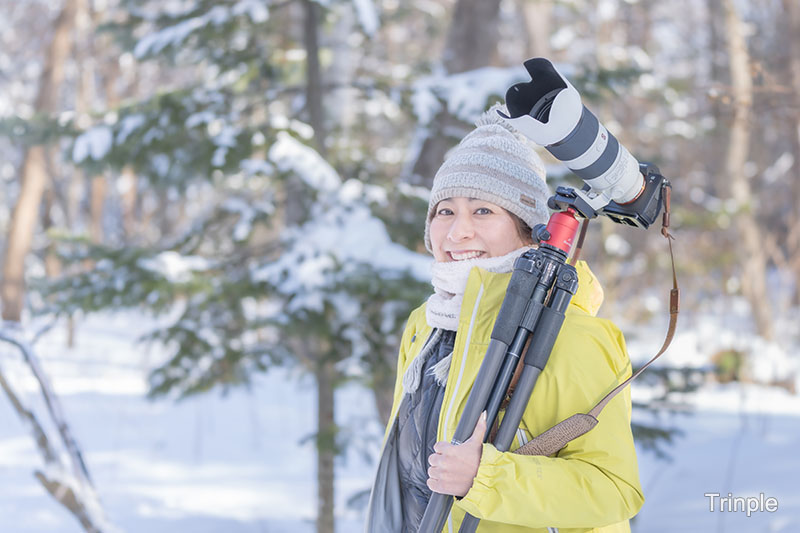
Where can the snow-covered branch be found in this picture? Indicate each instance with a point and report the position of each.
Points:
(69, 483)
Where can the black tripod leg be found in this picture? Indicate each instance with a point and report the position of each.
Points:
(521, 287)
(544, 337)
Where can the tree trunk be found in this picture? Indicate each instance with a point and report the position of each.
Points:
(314, 74)
(165, 208)
(472, 37)
(33, 178)
(96, 205)
(538, 21)
(638, 23)
(749, 233)
(793, 246)
(342, 73)
(715, 18)
(52, 265)
(325, 371)
(471, 43)
(326, 447)
(129, 200)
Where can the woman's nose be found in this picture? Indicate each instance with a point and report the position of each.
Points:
(461, 229)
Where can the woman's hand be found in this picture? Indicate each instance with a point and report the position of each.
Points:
(453, 467)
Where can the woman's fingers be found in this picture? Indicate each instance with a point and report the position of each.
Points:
(441, 446)
(480, 431)
(453, 467)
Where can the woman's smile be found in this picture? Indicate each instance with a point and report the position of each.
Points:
(464, 255)
(468, 228)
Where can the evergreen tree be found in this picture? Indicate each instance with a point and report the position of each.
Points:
(270, 257)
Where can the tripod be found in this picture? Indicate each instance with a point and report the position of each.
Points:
(537, 297)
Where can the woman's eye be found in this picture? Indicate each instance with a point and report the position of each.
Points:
(444, 211)
(483, 211)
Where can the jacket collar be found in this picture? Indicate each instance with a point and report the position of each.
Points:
(588, 298)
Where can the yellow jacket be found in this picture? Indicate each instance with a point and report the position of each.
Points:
(591, 485)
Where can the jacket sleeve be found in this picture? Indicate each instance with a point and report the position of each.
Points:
(594, 480)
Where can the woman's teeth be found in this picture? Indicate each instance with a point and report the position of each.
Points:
(463, 256)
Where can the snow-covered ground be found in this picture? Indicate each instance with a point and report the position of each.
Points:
(239, 463)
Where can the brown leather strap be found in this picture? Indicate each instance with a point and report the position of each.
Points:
(555, 438)
(674, 305)
(559, 435)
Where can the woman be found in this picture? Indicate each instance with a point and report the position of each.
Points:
(485, 198)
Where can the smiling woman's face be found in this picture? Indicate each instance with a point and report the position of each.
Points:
(467, 228)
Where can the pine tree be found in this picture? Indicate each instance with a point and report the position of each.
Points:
(283, 261)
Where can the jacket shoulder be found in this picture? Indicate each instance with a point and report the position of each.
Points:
(588, 359)
(415, 324)
(584, 335)
(416, 320)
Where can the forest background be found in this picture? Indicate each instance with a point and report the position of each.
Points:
(249, 178)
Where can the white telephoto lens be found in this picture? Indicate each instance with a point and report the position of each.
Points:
(548, 110)
(622, 182)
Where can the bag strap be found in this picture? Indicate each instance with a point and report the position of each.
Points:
(555, 438)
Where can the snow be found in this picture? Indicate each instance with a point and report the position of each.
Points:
(247, 214)
(201, 117)
(724, 327)
(94, 142)
(615, 244)
(151, 135)
(341, 240)
(174, 35)
(465, 94)
(749, 398)
(218, 159)
(746, 454)
(606, 10)
(255, 9)
(174, 267)
(681, 128)
(779, 168)
(160, 163)
(128, 125)
(290, 155)
(367, 13)
(208, 464)
(256, 166)
(239, 462)
(224, 139)
(346, 235)
(422, 193)
(563, 37)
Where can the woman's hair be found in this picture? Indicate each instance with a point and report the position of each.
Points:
(523, 229)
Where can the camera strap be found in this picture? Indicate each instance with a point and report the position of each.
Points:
(555, 438)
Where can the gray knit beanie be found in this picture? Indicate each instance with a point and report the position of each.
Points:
(497, 164)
